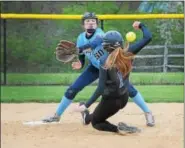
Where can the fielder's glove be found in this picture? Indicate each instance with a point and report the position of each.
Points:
(66, 51)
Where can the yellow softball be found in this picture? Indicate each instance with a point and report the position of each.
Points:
(130, 36)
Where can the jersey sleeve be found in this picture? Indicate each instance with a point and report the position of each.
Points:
(100, 32)
(147, 37)
(79, 41)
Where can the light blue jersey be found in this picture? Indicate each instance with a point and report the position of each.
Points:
(96, 54)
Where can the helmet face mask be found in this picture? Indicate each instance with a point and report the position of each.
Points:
(90, 22)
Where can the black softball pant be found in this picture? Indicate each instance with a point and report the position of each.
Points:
(105, 109)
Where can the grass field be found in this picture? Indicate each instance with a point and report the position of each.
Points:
(155, 93)
(68, 78)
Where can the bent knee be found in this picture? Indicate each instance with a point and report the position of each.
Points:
(132, 92)
(71, 93)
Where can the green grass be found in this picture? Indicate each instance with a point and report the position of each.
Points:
(155, 93)
(68, 78)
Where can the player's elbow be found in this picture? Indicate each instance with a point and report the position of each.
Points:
(148, 38)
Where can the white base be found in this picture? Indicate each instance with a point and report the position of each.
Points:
(33, 123)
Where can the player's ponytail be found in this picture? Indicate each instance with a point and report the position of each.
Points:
(121, 59)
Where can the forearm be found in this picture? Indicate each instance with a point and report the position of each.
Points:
(101, 84)
(147, 37)
(96, 42)
(94, 97)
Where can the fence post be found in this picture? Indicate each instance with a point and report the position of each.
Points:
(165, 61)
(102, 26)
(5, 52)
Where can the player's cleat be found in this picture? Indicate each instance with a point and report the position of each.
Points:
(149, 119)
(85, 115)
(125, 129)
(53, 118)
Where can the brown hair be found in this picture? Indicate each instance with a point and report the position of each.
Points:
(121, 59)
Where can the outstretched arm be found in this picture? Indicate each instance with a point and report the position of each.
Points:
(93, 44)
(147, 37)
(99, 90)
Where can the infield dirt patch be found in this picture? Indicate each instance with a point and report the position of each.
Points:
(168, 132)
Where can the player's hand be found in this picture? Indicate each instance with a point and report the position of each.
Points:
(136, 25)
(76, 65)
(80, 108)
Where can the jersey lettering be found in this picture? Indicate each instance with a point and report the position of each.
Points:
(98, 54)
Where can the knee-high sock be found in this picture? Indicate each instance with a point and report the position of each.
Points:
(65, 102)
(138, 99)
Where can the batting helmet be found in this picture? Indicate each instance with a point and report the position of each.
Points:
(89, 15)
(112, 40)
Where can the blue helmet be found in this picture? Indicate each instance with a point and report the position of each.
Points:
(112, 40)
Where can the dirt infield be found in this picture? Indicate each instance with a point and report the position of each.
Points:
(168, 132)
